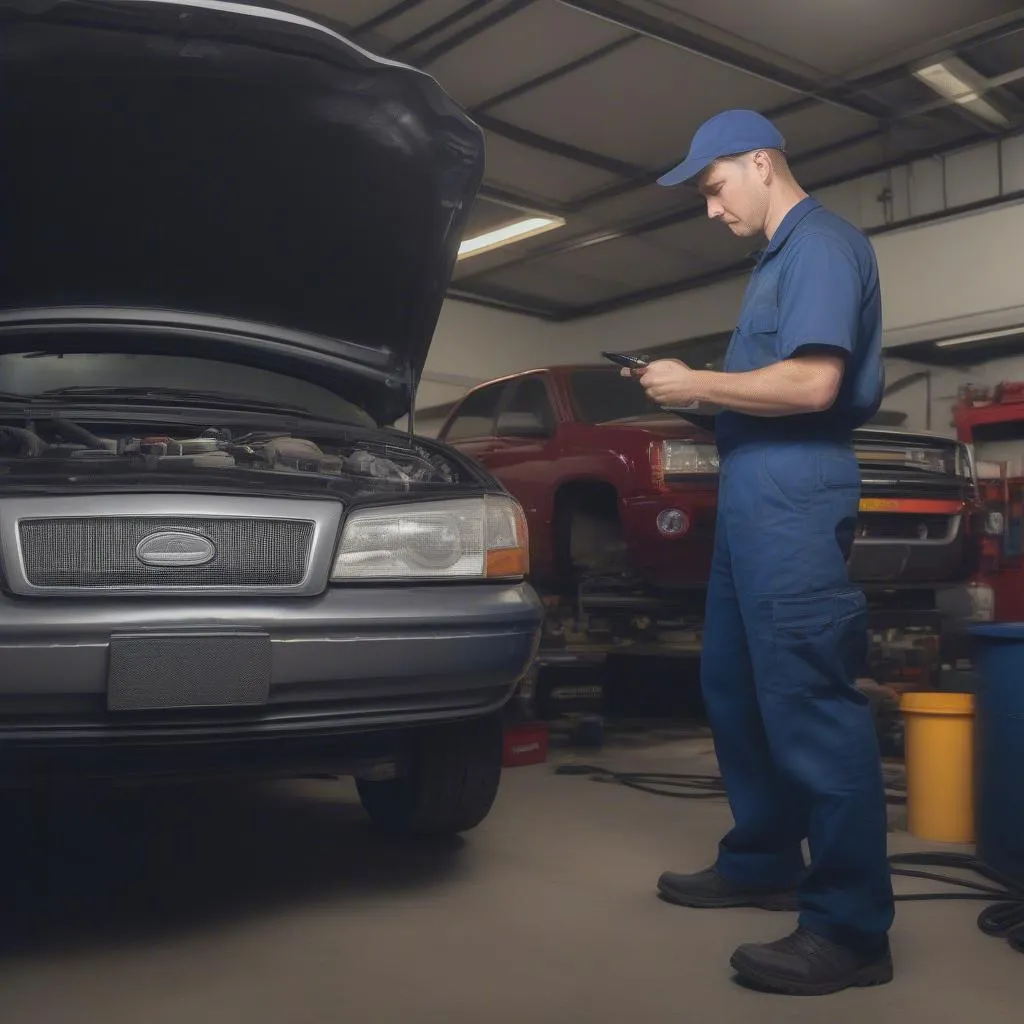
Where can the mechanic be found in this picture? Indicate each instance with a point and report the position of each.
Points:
(786, 634)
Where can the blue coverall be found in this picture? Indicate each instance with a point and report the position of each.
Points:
(786, 634)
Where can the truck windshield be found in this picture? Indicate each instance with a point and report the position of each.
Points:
(601, 396)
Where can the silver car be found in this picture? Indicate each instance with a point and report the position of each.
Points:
(225, 237)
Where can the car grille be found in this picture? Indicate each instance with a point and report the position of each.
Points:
(100, 553)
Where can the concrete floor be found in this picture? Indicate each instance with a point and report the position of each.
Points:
(275, 904)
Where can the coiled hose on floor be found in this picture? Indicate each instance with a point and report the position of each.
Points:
(1002, 919)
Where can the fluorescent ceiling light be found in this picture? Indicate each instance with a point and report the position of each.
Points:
(985, 336)
(514, 232)
(959, 83)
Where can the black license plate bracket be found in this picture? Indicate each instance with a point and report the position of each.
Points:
(163, 671)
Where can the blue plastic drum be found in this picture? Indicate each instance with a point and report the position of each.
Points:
(999, 654)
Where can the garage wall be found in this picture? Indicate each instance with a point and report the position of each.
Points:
(472, 344)
(927, 403)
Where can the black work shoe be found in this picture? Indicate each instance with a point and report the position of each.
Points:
(805, 964)
(709, 890)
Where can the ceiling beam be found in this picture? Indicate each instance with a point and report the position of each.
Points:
(467, 10)
(626, 17)
(550, 76)
(635, 177)
(509, 302)
(522, 201)
(470, 32)
(645, 178)
(565, 150)
(961, 41)
(396, 11)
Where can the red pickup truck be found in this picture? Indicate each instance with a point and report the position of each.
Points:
(620, 497)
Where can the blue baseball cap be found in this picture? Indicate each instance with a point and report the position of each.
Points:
(726, 134)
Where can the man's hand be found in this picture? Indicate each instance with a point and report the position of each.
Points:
(803, 384)
(668, 382)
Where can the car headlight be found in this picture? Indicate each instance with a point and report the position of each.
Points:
(685, 458)
(934, 461)
(465, 538)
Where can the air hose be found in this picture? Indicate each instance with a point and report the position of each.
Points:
(1003, 918)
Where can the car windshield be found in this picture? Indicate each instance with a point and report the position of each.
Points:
(601, 396)
(95, 377)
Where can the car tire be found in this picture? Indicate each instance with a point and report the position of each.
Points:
(597, 544)
(449, 784)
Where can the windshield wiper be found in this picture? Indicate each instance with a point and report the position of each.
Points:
(181, 396)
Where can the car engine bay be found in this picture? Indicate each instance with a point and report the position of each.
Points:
(58, 445)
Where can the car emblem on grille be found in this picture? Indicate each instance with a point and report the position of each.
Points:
(174, 548)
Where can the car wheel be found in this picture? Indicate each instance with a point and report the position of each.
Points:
(597, 544)
(449, 785)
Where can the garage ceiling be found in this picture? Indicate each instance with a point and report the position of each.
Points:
(586, 102)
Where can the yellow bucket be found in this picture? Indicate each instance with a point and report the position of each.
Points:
(940, 766)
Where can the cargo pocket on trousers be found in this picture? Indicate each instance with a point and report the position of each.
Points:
(790, 479)
(819, 645)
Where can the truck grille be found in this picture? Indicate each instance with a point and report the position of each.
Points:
(102, 552)
(904, 526)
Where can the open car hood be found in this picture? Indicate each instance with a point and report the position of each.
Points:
(221, 164)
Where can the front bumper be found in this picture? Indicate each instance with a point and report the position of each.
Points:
(350, 662)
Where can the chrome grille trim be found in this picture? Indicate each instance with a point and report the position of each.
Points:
(121, 520)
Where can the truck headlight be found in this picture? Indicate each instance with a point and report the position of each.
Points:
(464, 538)
(685, 458)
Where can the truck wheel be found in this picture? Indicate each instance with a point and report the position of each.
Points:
(596, 544)
(450, 782)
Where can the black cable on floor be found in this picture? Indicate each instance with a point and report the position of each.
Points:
(681, 785)
(674, 784)
(1003, 919)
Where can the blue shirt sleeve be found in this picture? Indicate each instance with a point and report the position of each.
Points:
(820, 296)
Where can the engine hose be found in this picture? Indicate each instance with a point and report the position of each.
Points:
(34, 445)
(86, 437)
(1003, 919)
